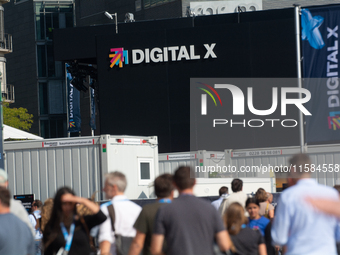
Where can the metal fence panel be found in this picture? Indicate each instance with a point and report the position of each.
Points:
(33, 169)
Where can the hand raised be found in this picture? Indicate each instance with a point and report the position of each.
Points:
(70, 198)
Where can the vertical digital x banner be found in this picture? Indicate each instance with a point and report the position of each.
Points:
(73, 109)
(320, 28)
(93, 110)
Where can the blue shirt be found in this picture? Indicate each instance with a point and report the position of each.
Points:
(217, 203)
(259, 224)
(15, 236)
(302, 228)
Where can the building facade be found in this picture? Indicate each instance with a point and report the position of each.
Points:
(39, 81)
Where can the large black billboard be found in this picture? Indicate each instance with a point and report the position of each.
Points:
(144, 78)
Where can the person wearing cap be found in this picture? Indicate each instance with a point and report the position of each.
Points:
(15, 206)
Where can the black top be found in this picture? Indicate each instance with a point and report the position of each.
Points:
(247, 241)
(268, 240)
(81, 242)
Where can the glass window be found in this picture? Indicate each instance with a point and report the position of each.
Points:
(69, 19)
(39, 7)
(154, 2)
(40, 26)
(146, 4)
(138, 5)
(49, 26)
(66, 8)
(61, 128)
(44, 128)
(19, 1)
(55, 20)
(50, 61)
(56, 99)
(62, 20)
(59, 69)
(51, 8)
(145, 171)
(43, 98)
(53, 128)
(49, 17)
(41, 60)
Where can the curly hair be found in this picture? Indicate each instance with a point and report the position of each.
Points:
(82, 210)
(46, 212)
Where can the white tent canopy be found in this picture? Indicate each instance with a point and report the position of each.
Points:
(14, 133)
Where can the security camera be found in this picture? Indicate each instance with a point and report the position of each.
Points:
(190, 12)
(129, 17)
(108, 15)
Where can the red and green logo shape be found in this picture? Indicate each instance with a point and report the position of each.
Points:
(204, 97)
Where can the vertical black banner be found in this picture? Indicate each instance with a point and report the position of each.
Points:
(321, 72)
(73, 97)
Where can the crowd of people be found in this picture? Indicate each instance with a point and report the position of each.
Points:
(305, 221)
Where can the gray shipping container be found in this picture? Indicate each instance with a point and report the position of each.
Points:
(324, 157)
(40, 167)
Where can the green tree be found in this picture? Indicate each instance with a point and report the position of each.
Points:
(17, 117)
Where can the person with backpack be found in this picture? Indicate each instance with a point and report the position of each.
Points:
(116, 233)
(35, 219)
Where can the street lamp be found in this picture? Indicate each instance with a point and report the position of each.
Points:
(110, 16)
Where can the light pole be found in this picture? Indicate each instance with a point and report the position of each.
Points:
(110, 16)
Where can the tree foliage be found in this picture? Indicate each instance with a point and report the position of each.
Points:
(17, 117)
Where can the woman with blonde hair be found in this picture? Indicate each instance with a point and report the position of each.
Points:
(245, 241)
(266, 208)
(46, 213)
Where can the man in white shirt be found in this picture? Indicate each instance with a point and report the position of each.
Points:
(297, 225)
(237, 196)
(125, 212)
(35, 221)
(223, 192)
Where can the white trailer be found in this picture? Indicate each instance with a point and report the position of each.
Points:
(326, 159)
(261, 167)
(209, 182)
(41, 167)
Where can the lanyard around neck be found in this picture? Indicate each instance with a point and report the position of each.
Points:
(68, 236)
(165, 201)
